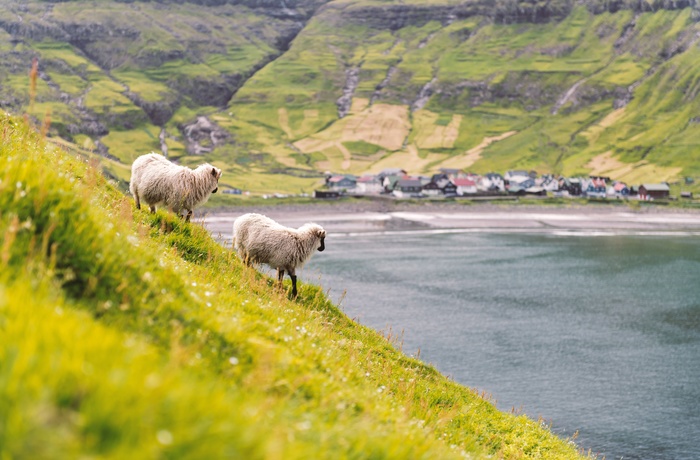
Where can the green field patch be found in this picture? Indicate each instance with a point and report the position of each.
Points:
(129, 145)
(149, 90)
(361, 148)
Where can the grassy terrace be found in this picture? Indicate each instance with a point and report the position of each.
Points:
(130, 335)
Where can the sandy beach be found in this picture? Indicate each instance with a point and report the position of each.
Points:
(349, 218)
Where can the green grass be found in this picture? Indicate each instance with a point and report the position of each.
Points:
(125, 334)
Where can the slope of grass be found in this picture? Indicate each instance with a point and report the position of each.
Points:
(125, 334)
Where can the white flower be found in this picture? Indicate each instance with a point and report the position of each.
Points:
(164, 437)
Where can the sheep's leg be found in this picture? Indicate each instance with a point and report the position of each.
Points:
(280, 277)
(294, 285)
(153, 209)
(189, 214)
(138, 201)
(293, 275)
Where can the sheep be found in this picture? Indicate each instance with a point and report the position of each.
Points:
(155, 180)
(259, 239)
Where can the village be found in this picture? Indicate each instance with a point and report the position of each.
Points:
(455, 183)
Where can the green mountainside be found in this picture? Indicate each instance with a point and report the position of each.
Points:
(276, 92)
(125, 334)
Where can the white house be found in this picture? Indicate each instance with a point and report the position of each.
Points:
(368, 185)
(516, 176)
(465, 186)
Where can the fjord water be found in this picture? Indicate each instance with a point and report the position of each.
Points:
(594, 333)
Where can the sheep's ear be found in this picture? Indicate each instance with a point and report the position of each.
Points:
(213, 172)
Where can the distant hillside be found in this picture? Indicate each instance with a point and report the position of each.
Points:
(277, 92)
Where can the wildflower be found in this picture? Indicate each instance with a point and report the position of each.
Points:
(233, 360)
(303, 426)
(164, 437)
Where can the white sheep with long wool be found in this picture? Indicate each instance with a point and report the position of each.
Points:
(155, 181)
(260, 240)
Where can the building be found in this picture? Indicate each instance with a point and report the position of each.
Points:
(516, 176)
(368, 185)
(408, 187)
(341, 182)
(465, 186)
(440, 185)
(654, 191)
(326, 194)
(596, 187)
(619, 189)
(491, 182)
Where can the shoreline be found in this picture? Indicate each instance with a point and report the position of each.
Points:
(346, 218)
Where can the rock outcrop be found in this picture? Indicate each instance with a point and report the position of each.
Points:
(203, 135)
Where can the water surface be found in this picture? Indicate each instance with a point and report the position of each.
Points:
(596, 334)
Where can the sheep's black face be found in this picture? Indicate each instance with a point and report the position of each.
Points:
(323, 246)
(217, 174)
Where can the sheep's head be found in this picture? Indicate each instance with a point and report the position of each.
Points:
(214, 174)
(319, 233)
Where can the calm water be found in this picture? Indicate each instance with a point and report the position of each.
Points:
(599, 334)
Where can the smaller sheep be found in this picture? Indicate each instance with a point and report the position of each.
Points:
(155, 180)
(260, 240)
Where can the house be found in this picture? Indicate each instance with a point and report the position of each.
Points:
(389, 182)
(516, 176)
(326, 194)
(408, 187)
(346, 182)
(491, 182)
(618, 189)
(465, 186)
(653, 191)
(439, 185)
(572, 186)
(390, 172)
(548, 182)
(595, 187)
(368, 185)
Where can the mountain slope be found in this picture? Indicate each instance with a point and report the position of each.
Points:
(130, 335)
(276, 93)
(555, 97)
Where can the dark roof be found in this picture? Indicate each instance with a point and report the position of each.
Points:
(409, 183)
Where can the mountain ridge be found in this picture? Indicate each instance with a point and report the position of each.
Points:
(284, 80)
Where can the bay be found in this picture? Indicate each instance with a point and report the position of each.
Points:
(596, 333)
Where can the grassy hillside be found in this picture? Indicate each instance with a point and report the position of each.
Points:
(130, 335)
(292, 90)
